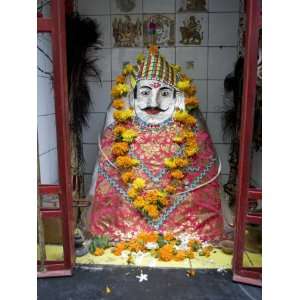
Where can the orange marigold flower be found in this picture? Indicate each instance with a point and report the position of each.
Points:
(132, 193)
(119, 248)
(166, 253)
(169, 236)
(152, 211)
(118, 130)
(181, 162)
(120, 78)
(180, 255)
(126, 161)
(191, 150)
(177, 174)
(120, 148)
(127, 177)
(139, 202)
(170, 189)
(190, 254)
(191, 102)
(191, 91)
(135, 246)
(99, 251)
(118, 103)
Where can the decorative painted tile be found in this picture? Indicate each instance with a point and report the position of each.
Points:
(164, 28)
(90, 152)
(126, 6)
(158, 6)
(121, 57)
(100, 94)
(223, 29)
(193, 60)
(221, 61)
(191, 5)
(215, 127)
(126, 31)
(191, 29)
(96, 124)
(202, 94)
(104, 27)
(223, 5)
(215, 98)
(104, 63)
(94, 7)
(45, 96)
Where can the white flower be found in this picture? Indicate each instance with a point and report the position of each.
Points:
(142, 277)
(151, 245)
(138, 257)
(152, 263)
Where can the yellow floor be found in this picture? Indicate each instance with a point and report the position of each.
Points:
(215, 261)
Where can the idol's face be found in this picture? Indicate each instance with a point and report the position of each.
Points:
(155, 101)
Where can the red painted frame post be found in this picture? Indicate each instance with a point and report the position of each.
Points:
(56, 26)
(240, 274)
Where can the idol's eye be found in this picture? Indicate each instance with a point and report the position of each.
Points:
(165, 93)
(145, 92)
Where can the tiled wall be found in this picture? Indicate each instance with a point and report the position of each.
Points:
(212, 61)
(47, 147)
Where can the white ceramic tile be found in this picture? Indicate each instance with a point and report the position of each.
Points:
(49, 167)
(104, 63)
(127, 31)
(121, 56)
(44, 53)
(221, 61)
(193, 61)
(223, 29)
(87, 183)
(126, 7)
(104, 27)
(90, 153)
(46, 133)
(192, 6)
(169, 54)
(200, 34)
(223, 5)
(45, 96)
(100, 94)
(214, 124)
(256, 168)
(158, 6)
(94, 7)
(96, 123)
(223, 150)
(215, 96)
(201, 93)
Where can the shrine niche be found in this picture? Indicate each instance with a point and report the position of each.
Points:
(127, 31)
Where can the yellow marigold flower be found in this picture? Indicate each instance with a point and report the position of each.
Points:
(119, 248)
(120, 79)
(99, 251)
(140, 58)
(120, 89)
(190, 254)
(139, 202)
(128, 135)
(176, 67)
(191, 150)
(177, 174)
(118, 130)
(180, 115)
(120, 148)
(188, 134)
(126, 161)
(132, 193)
(183, 85)
(135, 246)
(190, 120)
(170, 189)
(191, 91)
(164, 201)
(138, 183)
(181, 162)
(128, 69)
(152, 211)
(151, 196)
(153, 49)
(191, 102)
(178, 139)
(180, 255)
(123, 115)
(127, 176)
(166, 253)
(170, 163)
(118, 103)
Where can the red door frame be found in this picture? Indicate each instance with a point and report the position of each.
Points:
(244, 194)
(56, 26)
